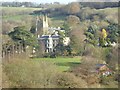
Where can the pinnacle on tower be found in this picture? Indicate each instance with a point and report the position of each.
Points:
(36, 23)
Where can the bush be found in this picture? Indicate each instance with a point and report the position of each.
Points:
(93, 51)
(69, 80)
(39, 74)
(30, 74)
(106, 80)
(73, 20)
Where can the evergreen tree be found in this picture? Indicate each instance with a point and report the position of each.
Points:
(21, 35)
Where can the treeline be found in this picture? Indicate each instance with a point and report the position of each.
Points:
(31, 4)
(96, 5)
(76, 7)
(19, 4)
(100, 5)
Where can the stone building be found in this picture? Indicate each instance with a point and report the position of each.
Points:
(48, 37)
(48, 42)
(41, 25)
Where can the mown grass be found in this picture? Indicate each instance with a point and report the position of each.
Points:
(63, 64)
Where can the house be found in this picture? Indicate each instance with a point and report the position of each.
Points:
(103, 70)
(49, 42)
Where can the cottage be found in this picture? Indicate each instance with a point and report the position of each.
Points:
(103, 69)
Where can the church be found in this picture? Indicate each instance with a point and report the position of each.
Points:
(48, 37)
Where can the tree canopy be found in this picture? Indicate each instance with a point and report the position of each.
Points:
(114, 32)
(104, 33)
(21, 35)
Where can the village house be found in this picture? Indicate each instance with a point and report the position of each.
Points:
(103, 70)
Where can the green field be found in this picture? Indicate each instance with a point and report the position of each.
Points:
(16, 13)
(63, 64)
(10, 10)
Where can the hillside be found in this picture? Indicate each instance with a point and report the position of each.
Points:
(90, 60)
(16, 16)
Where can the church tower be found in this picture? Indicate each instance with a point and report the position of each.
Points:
(42, 25)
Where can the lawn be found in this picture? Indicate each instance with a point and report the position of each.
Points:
(63, 64)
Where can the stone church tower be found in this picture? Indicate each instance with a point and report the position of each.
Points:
(42, 25)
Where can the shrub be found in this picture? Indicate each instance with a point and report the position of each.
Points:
(69, 80)
(39, 74)
(30, 74)
(73, 20)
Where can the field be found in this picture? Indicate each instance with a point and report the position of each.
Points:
(58, 20)
(13, 10)
(15, 13)
(63, 64)
(20, 14)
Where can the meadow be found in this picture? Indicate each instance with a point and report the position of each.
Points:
(16, 13)
(17, 10)
(63, 64)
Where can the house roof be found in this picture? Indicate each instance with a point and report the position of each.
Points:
(100, 65)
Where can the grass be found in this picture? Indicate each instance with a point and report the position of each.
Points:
(16, 17)
(58, 20)
(63, 64)
(19, 9)
(16, 13)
